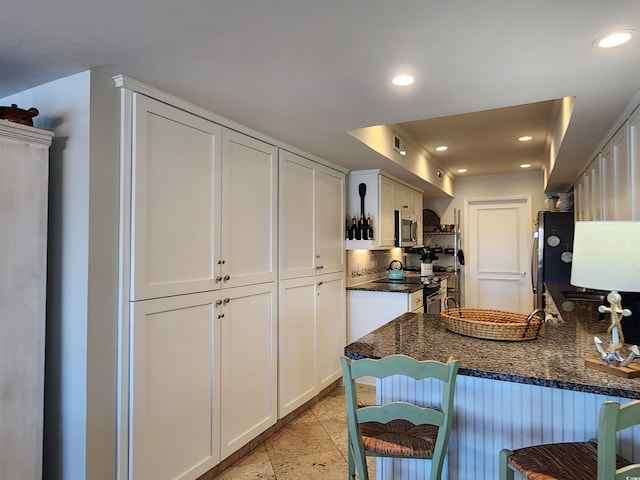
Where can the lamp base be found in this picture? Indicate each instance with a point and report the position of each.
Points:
(632, 370)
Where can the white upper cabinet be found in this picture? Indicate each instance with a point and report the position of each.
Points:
(204, 204)
(329, 226)
(403, 199)
(311, 217)
(249, 211)
(383, 195)
(176, 169)
(386, 236)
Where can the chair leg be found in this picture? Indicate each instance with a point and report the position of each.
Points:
(351, 463)
(506, 473)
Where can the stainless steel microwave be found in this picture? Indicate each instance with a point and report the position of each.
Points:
(406, 229)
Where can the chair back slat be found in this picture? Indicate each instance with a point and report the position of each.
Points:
(401, 365)
(401, 410)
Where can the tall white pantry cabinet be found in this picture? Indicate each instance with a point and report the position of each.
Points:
(203, 307)
(234, 302)
(24, 173)
(312, 323)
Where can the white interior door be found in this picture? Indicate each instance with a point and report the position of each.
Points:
(497, 246)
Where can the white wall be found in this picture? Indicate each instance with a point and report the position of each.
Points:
(529, 183)
(80, 385)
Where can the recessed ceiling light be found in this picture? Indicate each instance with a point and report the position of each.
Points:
(525, 165)
(525, 138)
(402, 80)
(614, 39)
(462, 170)
(442, 148)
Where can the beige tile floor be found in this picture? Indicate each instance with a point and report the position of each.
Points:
(313, 446)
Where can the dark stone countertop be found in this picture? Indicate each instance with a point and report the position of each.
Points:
(387, 287)
(555, 359)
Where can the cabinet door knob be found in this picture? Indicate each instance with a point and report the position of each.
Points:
(226, 278)
(218, 278)
(226, 300)
(218, 302)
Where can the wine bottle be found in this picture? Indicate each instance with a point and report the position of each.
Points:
(347, 229)
(354, 234)
(370, 227)
(362, 226)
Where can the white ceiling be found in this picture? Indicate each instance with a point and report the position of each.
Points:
(306, 71)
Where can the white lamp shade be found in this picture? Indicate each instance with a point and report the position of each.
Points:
(606, 256)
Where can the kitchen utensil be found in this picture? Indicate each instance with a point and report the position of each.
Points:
(362, 223)
(446, 228)
(395, 271)
(18, 115)
(362, 190)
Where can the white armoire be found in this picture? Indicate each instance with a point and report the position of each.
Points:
(24, 173)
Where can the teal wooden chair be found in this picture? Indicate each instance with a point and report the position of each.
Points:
(593, 460)
(398, 429)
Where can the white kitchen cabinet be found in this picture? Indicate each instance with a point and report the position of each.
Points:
(386, 217)
(248, 363)
(408, 200)
(175, 201)
(384, 194)
(202, 196)
(403, 199)
(175, 387)
(311, 337)
(329, 225)
(331, 329)
(203, 378)
(368, 310)
(203, 294)
(311, 225)
(24, 173)
(248, 211)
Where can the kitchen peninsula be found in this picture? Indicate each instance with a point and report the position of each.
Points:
(508, 394)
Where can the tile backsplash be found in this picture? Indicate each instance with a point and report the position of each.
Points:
(366, 265)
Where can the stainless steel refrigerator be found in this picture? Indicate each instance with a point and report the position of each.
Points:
(551, 252)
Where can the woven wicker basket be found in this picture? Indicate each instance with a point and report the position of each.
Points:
(493, 324)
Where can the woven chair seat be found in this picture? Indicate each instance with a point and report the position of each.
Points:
(399, 438)
(560, 461)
